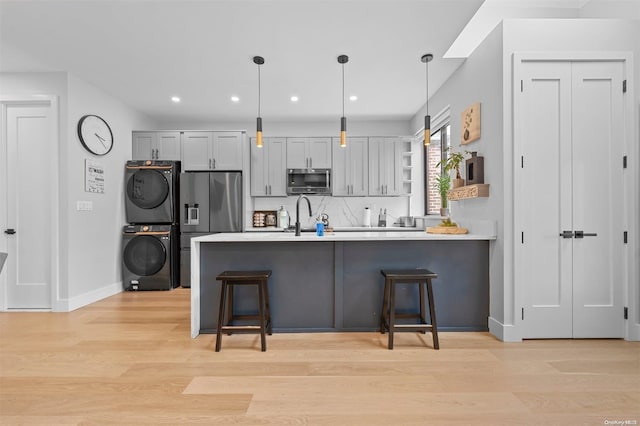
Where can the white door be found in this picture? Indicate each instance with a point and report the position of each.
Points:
(569, 141)
(26, 192)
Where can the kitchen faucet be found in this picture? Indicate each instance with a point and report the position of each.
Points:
(298, 213)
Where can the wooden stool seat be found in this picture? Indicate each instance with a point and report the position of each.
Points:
(226, 314)
(421, 277)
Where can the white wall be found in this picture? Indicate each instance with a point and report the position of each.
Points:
(479, 79)
(92, 262)
(89, 242)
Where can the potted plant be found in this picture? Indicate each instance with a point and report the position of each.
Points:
(453, 162)
(443, 185)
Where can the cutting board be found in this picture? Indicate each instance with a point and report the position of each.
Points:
(446, 230)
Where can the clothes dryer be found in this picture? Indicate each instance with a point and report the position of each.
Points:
(151, 191)
(150, 259)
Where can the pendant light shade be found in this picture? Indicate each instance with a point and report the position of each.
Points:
(258, 60)
(427, 118)
(343, 59)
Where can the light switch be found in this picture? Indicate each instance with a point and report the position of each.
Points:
(84, 205)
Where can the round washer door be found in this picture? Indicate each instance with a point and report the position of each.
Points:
(144, 255)
(147, 189)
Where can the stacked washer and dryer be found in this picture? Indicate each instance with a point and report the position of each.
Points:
(150, 243)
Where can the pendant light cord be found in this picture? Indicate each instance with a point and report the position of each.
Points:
(258, 90)
(427, 85)
(343, 90)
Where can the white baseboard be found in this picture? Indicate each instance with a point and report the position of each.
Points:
(634, 333)
(68, 305)
(504, 332)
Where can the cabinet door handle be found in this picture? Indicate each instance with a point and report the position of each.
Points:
(214, 163)
(566, 234)
(10, 231)
(270, 190)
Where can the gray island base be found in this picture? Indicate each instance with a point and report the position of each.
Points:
(333, 283)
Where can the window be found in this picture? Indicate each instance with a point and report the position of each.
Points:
(433, 154)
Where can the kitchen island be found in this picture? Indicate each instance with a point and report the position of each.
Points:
(333, 282)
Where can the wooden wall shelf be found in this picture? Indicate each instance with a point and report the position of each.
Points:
(469, 191)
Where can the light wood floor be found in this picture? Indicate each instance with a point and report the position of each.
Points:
(129, 360)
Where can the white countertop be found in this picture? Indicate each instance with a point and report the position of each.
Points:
(337, 236)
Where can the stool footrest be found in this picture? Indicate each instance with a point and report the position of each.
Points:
(240, 327)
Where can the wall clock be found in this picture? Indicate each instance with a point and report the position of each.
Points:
(95, 134)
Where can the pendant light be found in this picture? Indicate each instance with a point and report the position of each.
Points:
(343, 59)
(258, 60)
(427, 118)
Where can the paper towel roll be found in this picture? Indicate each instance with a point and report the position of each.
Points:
(366, 217)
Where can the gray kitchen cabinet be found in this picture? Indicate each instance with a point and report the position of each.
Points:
(268, 168)
(351, 167)
(306, 153)
(219, 151)
(160, 145)
(385, 166)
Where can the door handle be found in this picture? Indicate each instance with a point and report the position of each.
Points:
(10, 231)
(567, 234)
(582, 234)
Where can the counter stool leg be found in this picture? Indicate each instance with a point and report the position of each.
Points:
(392, 311)
(261, 314)
(423, 309)
(268, 310)
(221, 314)
(432, 314)
(229, 309)
(385, 307)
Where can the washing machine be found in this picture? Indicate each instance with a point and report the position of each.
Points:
(151, 191)
(150, 258)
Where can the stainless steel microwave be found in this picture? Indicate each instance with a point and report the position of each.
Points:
(308, 181)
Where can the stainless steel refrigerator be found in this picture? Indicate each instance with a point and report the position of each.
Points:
(210, 202)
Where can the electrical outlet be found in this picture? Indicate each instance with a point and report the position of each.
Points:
(84, 206)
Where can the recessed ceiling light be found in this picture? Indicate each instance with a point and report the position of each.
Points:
(353, 98)
(294, 98)
(175, 99)
(235, 99)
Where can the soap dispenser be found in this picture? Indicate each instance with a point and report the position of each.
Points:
(283, 218)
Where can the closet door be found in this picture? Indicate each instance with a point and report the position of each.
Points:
(597, 128)
(544, 268)
(568, 130)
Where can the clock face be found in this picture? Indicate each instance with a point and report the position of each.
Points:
(95, 134)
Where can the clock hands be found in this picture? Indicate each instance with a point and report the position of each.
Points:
(101, 139)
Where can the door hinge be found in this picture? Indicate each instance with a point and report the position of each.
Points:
(626, 313)
(624, 162)
(522, 85)
(624, 237)
(522, 314)
(624, 86)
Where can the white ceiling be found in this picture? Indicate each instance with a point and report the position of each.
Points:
(143, 52)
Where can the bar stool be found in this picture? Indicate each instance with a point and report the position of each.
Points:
(226, 315)
(421, 277)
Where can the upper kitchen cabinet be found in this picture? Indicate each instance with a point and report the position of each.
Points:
(218, 151)
(307, 153)
(386, 162)
(268, 168)
(155, 145)
(351, 167)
